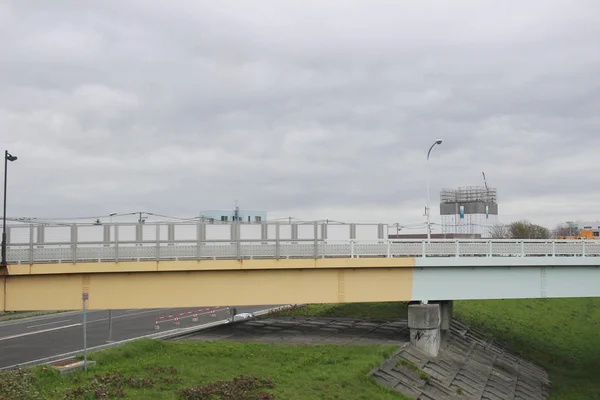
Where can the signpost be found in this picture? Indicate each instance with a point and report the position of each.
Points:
(85, 298)
(109, 326)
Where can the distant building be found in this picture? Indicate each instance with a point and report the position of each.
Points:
(469, 210)
(589, 225)
(235, 215)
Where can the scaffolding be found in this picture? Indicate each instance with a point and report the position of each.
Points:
(469, 210)
(469, 194)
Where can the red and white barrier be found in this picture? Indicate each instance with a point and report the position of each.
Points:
(195, 313)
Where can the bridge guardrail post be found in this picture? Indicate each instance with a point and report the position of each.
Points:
(351, 248)
(553, 248)
(74, 242)
(583, 248)
(423, 250)
(457, 249)
(199, 238)
(238, 242)
(277, 241)
(316, 241)
(522, 248)
(157, 242)
(389, 249)
(489, 248)
(30, 243)
(116, 243)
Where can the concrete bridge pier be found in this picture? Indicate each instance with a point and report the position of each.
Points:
(424, 322)
(429, 325)
(446, 311)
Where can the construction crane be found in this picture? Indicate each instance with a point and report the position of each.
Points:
(485, 181)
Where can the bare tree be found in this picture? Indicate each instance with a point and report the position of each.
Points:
(566, 229)
(500, 231)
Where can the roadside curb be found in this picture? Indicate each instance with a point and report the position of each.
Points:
(171, 334)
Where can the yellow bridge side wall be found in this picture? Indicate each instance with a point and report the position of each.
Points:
(126, 290)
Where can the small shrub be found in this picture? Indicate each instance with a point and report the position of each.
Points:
(17, 385)
(244, 387)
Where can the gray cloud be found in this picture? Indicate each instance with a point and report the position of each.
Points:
(311, 109)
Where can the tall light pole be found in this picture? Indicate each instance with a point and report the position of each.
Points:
(439, 141)
(7, 157)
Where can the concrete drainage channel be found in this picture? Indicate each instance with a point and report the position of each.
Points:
(168, 335)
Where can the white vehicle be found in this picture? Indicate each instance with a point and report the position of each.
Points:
(242, 316)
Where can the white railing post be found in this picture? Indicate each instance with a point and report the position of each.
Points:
(490, 248)
(236, 231)
(200, 238)
(389, 249)
(351, 248)
(277, 241)
(583, 248)
(157, 241)
(553, 248)
(522, 248)
(423, 250)
(30, 243)
(74, 242)
(457, 249)
(116, 243)
(316, 241)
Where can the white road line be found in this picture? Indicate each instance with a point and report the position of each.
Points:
(49, 323)
(37, 332)
(28, 320)
(162, 335)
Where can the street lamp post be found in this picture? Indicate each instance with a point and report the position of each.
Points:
(439, 141)
(7, 157)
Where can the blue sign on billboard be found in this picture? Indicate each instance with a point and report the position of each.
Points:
(462, 212)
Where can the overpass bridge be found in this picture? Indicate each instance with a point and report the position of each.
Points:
(132, 265)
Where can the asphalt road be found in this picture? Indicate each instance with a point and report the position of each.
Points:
(30, 339)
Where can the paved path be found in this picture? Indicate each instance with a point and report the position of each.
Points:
(29, 339)
(340, 331)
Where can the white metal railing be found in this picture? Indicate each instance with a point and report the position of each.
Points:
(47, 243)
(275, 249)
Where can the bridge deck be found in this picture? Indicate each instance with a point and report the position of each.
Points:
(183, 272)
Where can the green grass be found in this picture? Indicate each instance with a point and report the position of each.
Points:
(561, 335)
(372, 311)
(414, 368)
(297, 372)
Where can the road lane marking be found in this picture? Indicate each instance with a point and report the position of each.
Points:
(37, 332)
(170, 333)
(28, 320)
(49, 323)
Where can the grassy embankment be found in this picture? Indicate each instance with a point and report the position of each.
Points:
(561, 335)
(151, 369)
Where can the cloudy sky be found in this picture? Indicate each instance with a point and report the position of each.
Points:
(311, 109)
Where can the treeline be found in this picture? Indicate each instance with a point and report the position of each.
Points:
(520, 230)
